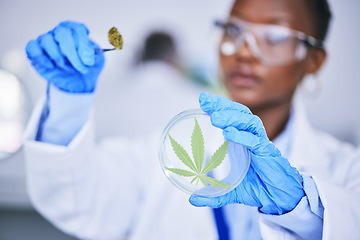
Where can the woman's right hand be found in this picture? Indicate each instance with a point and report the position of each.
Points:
(67, 58)
(271, 183)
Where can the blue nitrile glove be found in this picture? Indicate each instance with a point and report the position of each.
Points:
(67, 58)
(270, 184)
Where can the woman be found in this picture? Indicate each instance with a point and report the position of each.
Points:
(117, 189)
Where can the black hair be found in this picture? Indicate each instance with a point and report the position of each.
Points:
(158, 46)
(321, 14)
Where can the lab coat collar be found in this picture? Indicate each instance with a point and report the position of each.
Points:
(298, 142)
(308, 151)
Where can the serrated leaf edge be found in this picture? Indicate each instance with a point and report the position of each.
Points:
(181, 172)
(216, 183)
(197, 146)
(217, 158)
(182, 154)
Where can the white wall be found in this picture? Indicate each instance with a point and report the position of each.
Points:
(22, 20)
(190, 21)
(335, 110)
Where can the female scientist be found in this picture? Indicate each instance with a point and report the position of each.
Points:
(115, 190)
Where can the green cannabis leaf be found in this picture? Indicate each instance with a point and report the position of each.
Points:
(182, 154)
(197, 146)
(196, 165)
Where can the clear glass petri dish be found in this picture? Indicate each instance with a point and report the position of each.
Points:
(197, 159)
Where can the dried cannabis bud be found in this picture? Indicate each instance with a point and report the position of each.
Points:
(115, 38)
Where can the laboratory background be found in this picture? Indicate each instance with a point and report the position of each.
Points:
(332, 99)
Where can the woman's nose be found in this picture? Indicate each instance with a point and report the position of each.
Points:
(245, 48)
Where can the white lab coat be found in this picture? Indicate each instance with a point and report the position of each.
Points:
(116, 189)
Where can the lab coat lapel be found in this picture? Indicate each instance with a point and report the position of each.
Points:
(305, 152)
(316, 154)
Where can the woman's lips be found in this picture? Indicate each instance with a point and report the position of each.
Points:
(243, 77)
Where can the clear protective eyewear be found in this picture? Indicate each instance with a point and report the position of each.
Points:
(271, 44)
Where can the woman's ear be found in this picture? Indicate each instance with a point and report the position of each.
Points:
(316, 59)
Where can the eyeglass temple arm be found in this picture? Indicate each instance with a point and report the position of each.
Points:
(313, 42)
(219, 23)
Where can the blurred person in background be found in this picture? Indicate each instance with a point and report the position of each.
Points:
(301, 184)
(158, 74)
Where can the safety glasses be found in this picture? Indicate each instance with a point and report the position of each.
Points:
(271, 44)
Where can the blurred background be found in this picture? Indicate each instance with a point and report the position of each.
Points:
(335, 109)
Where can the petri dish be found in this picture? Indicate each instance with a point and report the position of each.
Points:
(197, 159)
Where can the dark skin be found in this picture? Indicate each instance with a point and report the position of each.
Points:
(268, 90)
